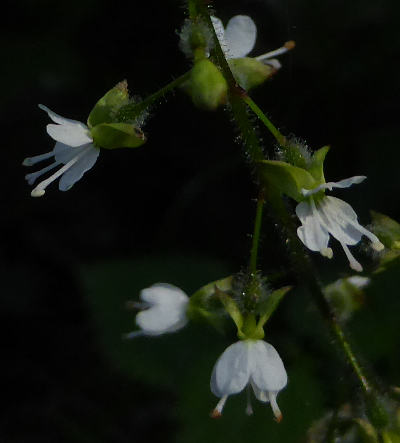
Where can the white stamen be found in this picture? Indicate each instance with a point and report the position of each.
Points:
(249, 408)
(137, 305)
(29, 161)
(274, 63)
(326, 252)
(285, 48)
(376, 244)
(31, 178)
(353, 262)
(40, 188)
(217, 412)
(274, 405)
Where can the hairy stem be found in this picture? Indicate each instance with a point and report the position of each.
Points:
(267, 122)
(133, 110)
(256, 234)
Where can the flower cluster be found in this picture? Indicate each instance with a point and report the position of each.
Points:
(248, 362)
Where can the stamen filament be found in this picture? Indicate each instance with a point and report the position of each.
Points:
(30, 161)
(354, 264)
(217, 412)
(31, 178)
(132, 334)
(40, 188)
(285, 48)
(275, 408)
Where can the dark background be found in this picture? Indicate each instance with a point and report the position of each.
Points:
(179, 209)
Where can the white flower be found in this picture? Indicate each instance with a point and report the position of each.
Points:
(74, 149)
(324, 216)
(164, 310)
(237, 40)
(249, 362)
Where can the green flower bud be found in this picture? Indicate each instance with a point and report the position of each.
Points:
(206, 85)
(249, 72)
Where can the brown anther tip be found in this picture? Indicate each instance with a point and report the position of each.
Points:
(279, 418)
(290, 45)
(215, 414)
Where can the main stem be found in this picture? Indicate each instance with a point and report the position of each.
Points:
(238, 99)
(256, 234)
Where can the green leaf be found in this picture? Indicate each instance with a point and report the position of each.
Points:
(287, 178)
(316, 168)
(117, 135)
(249, 72)
(106, 108)
(268, 306)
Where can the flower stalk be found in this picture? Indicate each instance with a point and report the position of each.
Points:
(132, 111)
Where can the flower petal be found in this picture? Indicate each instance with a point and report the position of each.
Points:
(220, 32)
(345, 183)
(64, 153)
(71, 135)
(75, 172)
(61, 120)
(267, 370)
(240, 35)
(167, 312)
(232, 371)
(340, 220)
(312, 233)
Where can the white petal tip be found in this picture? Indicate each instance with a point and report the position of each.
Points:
(378, 246)
(327, 252)
(37, 192)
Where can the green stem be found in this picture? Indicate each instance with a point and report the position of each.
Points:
(256, 234)
(267, 122)
(238, 101)
(133, 110)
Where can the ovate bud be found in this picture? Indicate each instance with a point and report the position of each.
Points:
(206, 85)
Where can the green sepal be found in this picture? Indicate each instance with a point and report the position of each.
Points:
(345, 297)
(232, 309)
(267, 307)
(287, 178)
(316, 168)
(366, 431)
(205, 305)
(249, 72)
(106, 108)
(206, 85)
(117, 135)
(386, 229)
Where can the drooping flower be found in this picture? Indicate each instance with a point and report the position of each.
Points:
(252, 363)
(74, 150)
(322, 216)
(237, 40)
(163, 309)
